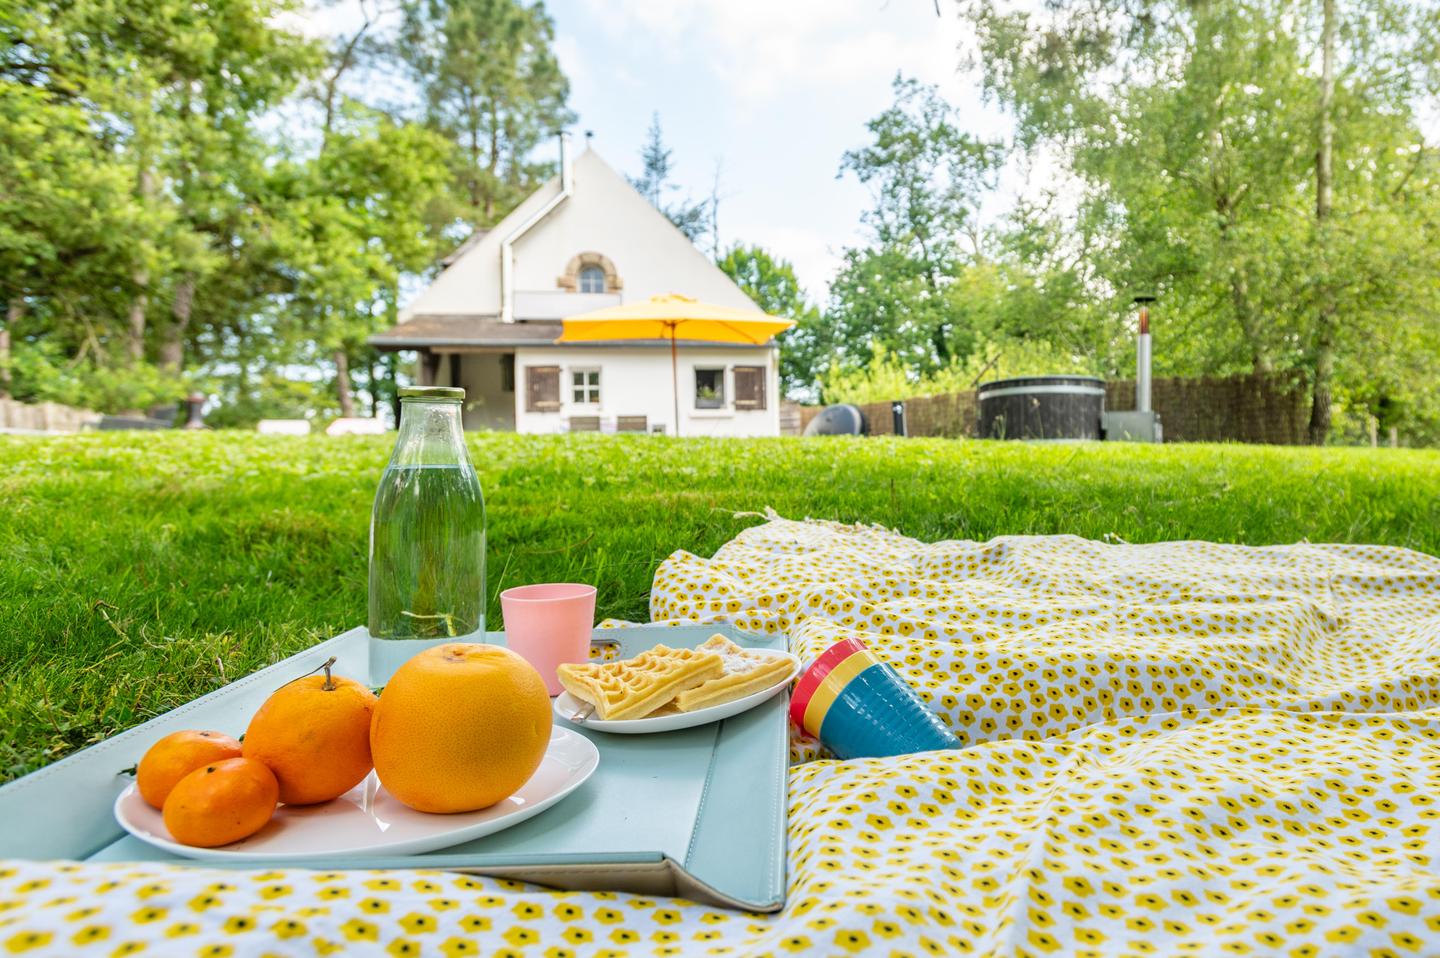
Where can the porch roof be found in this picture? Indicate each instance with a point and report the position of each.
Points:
(444, 332)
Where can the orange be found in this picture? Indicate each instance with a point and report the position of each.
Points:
(221, 803)
(314, 734)
(460, 726)
(177, 755)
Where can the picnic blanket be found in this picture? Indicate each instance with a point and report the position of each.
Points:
(1183, 748)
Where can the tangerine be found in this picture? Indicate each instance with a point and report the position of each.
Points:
(459, 727)
(314, 734)
(221, 803)
(177, 755)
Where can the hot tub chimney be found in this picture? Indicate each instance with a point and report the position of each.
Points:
(1142, 355)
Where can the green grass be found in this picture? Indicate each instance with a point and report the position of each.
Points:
(140, 570)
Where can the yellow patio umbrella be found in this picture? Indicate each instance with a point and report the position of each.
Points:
(673, 317)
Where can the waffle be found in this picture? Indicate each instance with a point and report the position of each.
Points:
(746, 672)
(634, 688)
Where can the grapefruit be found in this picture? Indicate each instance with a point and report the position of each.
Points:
(460, 727)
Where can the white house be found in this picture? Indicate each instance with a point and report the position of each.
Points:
(584, 240)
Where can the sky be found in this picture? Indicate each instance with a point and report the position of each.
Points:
(773, 91)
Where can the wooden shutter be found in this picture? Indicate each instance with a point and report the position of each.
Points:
(750, 387)
(542, 388)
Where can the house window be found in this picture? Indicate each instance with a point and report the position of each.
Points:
(710, 388)
(585, 385)
(590, 272)
(592, 280)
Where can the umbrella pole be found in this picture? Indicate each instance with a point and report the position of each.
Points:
(675, 379)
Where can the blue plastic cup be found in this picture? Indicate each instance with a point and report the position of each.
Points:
(862, 708)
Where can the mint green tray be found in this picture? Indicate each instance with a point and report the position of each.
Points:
(698, 812)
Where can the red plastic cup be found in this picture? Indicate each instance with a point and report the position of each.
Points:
(549, 625)
(811, 678)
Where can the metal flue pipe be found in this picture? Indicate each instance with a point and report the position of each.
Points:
(1142, 355)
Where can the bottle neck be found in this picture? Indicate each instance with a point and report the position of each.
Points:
(430, 434)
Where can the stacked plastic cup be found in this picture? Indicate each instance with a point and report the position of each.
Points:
(859, 707)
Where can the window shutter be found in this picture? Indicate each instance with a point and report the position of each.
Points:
(749, 387)
(542, 388)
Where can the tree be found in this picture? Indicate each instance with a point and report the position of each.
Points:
(355, 220)
(927, 177)
(152, 230)
(772, 284)
(1205, 165)
(1324, 179)
(146, 124)
(692, 218)
(491, 85)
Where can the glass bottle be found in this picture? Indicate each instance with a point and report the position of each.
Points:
(427, 536)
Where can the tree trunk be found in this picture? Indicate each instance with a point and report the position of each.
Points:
(342, 384)
(172, 350)
(374, 388)
(1249, 325)
(145, 185)
(1325, 322)
(392, 364)
(494, 162)
(136, 343)
(1240, 288)
(13, 311)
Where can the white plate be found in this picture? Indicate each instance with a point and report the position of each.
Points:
(367, 820)
(567, 705)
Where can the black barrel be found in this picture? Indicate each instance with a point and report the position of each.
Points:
(1042, 407)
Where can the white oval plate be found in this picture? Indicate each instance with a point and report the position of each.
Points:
(368, 820)
(567, 705)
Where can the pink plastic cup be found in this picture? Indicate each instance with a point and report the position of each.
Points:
(549, 625)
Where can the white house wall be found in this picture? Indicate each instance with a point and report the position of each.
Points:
(636, 382)
(471, 284)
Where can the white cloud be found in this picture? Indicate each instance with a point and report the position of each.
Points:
(572, 59)
(766, 48)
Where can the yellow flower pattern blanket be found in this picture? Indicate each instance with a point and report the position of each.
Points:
(1182, 748)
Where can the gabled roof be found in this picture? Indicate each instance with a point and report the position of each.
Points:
(476, 236)
(605, 215)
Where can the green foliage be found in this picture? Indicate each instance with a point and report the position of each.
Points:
(1171, 149)
(40, 372)
(273, 396)
(886, 377)
(144, 570)
(1188, 137)
(927, 176)
(772, 284)
(190, 187)
(492, 87)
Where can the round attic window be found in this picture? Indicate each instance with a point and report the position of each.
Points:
(589, 272)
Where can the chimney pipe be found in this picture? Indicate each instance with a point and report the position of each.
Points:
(1142, 355)
(567, 168)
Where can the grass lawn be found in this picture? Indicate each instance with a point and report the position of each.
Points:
(139, 570)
